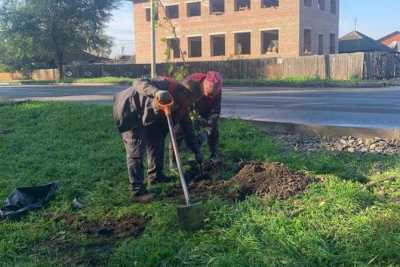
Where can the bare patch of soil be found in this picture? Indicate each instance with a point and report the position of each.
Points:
(70, 253)
(207, 171)
(103, 235)
(116, 228)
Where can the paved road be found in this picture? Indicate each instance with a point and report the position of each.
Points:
(370, 107)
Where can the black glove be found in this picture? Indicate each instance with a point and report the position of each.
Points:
(203, 123)
(199, 157)
(163, 97)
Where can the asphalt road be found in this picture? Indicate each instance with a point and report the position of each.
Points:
(369, 107)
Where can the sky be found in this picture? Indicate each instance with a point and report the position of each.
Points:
(375, 18)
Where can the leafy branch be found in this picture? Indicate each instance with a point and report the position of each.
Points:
(178, 72)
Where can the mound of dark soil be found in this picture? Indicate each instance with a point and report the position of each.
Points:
(262, 179)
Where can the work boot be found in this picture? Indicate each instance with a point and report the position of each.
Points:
(160, 179)
(214, 157)
(141, 195)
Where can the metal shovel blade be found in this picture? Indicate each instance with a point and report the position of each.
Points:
(191, 218)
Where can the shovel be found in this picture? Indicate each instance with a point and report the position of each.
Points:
(190, 216)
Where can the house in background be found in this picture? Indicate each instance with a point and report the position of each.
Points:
(392, 40)
(83, 57)
(232, 29)
(125, 59)
(358, 42)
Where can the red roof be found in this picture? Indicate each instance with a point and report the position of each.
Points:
(389, 35)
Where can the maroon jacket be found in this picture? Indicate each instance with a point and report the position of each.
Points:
(207, 107)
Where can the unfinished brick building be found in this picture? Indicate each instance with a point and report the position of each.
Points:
(232, 29)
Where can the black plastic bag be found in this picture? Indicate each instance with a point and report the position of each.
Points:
(26, 199)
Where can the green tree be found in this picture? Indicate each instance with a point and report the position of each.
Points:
(43, 32)
(16, 53)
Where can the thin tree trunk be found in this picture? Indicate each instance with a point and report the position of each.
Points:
(60, 66)
(61, 72)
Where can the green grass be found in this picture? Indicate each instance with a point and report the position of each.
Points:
(293, 81)
(110, 80)
(290, 82)
(337, 222)
(302, 82)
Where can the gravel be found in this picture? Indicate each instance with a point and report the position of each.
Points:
(344, 144)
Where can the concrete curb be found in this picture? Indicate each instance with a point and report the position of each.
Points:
(327, 131)
(8, 84)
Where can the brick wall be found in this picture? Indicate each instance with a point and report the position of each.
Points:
(286, 18)
(320, 23)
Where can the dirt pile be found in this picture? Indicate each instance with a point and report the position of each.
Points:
(262, 179)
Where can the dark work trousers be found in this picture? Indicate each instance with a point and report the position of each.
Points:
(156, 134)
(213, 139)
(136, 141)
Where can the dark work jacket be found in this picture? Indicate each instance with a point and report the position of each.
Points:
(209, 107)
(133, 107)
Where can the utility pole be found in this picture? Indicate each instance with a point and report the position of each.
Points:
(153, 12)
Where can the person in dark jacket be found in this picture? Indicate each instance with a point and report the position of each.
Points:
(208, 106)
(142, 125)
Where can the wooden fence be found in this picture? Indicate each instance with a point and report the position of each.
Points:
(372, 66)
(380, 66)
(10, 76)
(335, 67)
(45, 75)
(345, 66)
(235, 69)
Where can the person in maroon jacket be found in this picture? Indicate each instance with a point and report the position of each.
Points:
(209, 106)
